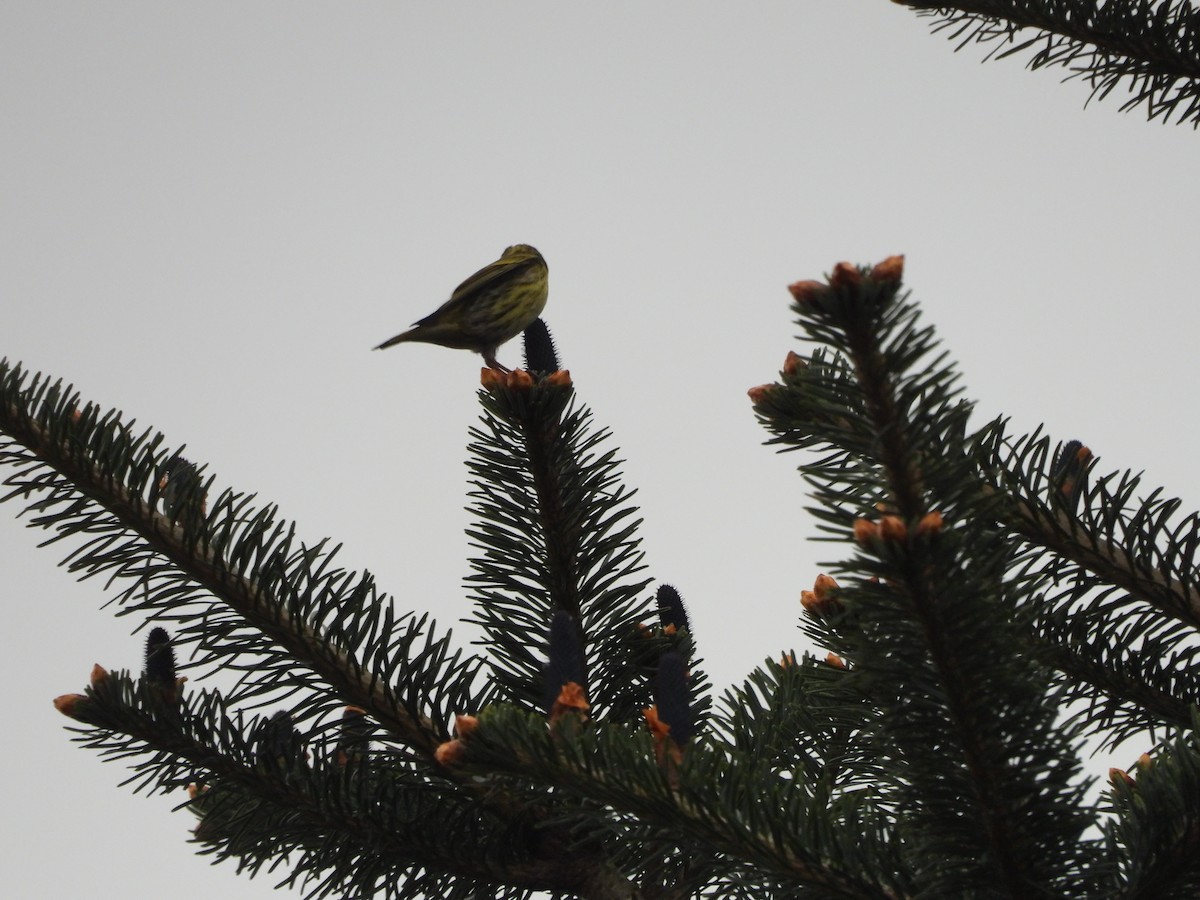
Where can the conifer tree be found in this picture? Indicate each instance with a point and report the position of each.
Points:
(1149, 48)
(992, 602)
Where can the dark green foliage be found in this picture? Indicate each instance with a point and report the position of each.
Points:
(1151, 47)
(995, 603)
(1155, 834)
(557, 533)
(998, 600)
(931, 641)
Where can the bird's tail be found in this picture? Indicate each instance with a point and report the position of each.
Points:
(398, 339)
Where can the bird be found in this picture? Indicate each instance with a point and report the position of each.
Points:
(491, 307)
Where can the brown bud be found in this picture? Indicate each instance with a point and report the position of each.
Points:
(520, 380)
(491, 378)
(892, 528)
(1120, 776)
(658, 728)
(571, 697)
(832, 659)
(845, 276)
(99, 675)
(1145, 761)
(820, 600)
(890, 269)
(787, 661)
(865, 530)
(823, 585)
(70, 705)
(794, 363)
(807, 291)
(931, 523)
(561, 378)
(450, 753)
(759, 394)
(570, 704)
(465, 726)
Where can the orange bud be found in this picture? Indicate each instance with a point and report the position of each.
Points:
(70, 704)
(491, 378)
(931, 523)
(450, 753)
(561, 378)
(807, 291)
(572, 697)
(657, 726)
(1145, 761)
(520, 380)
(890, 269)
(865, 530)
(759, 394)
(820, 601)
(815, 606)
(794, 363)
(823, 585)
(99, 675)
(1120, 776)
(845, 276)
(832, 659)
(465, 726)
(892, 528)
(787, 661)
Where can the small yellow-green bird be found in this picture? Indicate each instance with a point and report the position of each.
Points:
(492, 306)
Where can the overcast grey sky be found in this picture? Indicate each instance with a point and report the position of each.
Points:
(211, 212)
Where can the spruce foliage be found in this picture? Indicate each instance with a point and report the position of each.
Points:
(1148, 48)
(993, 603)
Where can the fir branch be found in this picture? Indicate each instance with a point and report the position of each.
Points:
(381, 824)
(1128, 690)
(556, 532)
(927, 631)
(792, 716)
(1111, 583)
(235, 578)
(735, 811)
(1136, 546)
(1152, 46)
(1155, 837)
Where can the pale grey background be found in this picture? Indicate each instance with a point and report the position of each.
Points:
(211, 212)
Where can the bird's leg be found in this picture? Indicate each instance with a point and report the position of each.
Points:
(489, 357)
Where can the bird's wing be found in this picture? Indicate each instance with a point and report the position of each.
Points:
(467, 291)
(488, 276)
